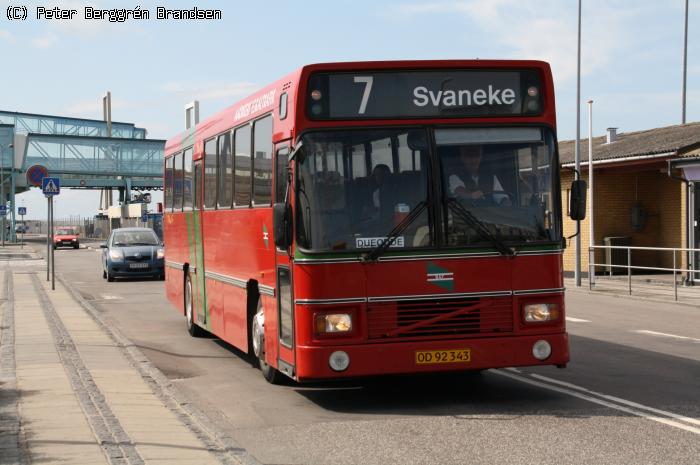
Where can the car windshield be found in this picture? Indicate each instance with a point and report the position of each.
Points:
(354, 187)
(129, 238)
(497, 182)
(65, 231)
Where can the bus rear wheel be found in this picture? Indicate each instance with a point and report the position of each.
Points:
(192, 327)
(257, 332)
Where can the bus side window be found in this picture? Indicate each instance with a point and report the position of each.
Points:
(225, 197)
(281, 174)
(197, 192)
(210, 173)
(242, 172)
(262, 161)
(177, 182)
(168, 187)
(187, 180)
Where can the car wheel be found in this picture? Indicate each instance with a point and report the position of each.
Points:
(257, 332)
(110, 278)
(192, 327)
(104, 274)
(76, 245)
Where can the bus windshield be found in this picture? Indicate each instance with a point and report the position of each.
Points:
(496, 185)
(355, 186)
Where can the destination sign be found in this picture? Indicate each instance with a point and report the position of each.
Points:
(420, 94)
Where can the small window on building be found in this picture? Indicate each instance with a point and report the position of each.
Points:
(168, 184)
(187, 183)
(210, 173)
(283, 106)
(242, 168)
(225, 197)
(178, 181)
(262, 162)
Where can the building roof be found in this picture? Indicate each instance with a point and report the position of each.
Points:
(634, 144)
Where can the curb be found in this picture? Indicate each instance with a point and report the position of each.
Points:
(226, 450)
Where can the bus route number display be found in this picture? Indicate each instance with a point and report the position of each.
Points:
(423, 94)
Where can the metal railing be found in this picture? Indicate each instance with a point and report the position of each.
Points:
(675, 251)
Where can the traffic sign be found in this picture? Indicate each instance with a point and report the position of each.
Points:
(35, 174)
(144, 217)
(3, 210)
(51, 186)
(21, 211)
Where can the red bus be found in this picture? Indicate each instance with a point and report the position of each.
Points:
(369, 218)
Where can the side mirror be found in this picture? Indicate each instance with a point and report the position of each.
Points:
(577, 200)
(282, 225)
(103, 245)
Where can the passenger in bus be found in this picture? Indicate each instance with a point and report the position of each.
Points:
(380, 176)
(472, 182)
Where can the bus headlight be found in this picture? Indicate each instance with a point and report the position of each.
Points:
(534, 313)
(333, 323)
(339, 360)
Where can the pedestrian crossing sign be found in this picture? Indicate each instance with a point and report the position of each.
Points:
(51, 186)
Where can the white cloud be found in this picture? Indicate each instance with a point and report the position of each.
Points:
(209, 90)
(6, 35)
(93, 108)
(44, 42)
(544, 29)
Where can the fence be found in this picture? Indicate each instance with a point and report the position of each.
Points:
(617, 254)
(97, 227)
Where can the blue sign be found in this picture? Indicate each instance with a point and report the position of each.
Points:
(51, 186)
(3, 210)
(21, 211)
(144, 217)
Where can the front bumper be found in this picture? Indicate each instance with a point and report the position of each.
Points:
(399, 357)
(123, 269)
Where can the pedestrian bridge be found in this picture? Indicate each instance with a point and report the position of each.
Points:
(80, 152)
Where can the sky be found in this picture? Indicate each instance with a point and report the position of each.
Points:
(631, 64)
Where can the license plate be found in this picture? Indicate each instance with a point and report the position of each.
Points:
(138, 265)
(429, 357)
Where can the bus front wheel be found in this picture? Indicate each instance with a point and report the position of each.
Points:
(257, 332)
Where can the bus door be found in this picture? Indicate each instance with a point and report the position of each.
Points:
(283, 270)
(199, 281)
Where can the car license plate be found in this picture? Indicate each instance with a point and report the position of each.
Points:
(429, 357)
(138, 265)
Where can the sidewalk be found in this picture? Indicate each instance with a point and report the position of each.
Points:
(73, 392)
(658, 288)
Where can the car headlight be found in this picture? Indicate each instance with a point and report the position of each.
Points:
(534, 313)
(333, 323)
(116, 255)
(160, 253)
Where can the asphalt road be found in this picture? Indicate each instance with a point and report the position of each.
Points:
(630, 395)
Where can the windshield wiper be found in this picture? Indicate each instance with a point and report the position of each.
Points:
(375, 253)
(479, 226)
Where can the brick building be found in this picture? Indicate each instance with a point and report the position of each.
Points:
(643, 187)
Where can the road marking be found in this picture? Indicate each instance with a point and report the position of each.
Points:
(628, 407)
(110, 297)
(656, 333)
(577, 320)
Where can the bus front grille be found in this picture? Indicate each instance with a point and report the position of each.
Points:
(440, 318)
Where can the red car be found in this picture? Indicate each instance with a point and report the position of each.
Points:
(65, 236)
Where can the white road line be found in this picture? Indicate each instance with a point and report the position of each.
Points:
(617, 399)
(110, 297)
(656, 333)
(577, 320)
(595, 400)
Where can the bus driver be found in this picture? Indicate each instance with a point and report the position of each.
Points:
(470, 182)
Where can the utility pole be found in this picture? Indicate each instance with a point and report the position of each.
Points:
(577, 152)
(591, 229)
(685, 63)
